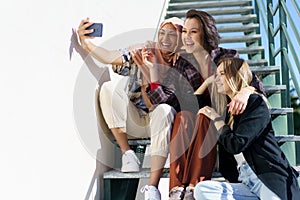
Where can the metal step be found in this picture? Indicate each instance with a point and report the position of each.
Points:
(274, 89)
(143, 173)
(241, 28)
(237, 39)
(265, 69)
(281, 111)
(260, 62)
(235, 19)
(207, 4)
(219, 11)
(281, 139)
(250, 50)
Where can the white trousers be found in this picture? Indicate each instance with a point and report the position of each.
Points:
(119, 112)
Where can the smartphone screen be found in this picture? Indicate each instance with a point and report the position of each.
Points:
(98, 27)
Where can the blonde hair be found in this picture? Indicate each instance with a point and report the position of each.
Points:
(238, 76)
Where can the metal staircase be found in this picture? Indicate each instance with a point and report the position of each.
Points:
(239, 27)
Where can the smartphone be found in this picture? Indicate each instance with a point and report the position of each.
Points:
(98, 28)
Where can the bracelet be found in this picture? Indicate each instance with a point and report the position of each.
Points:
(154, 85)
(221, 118)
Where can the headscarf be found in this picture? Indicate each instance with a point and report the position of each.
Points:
(169, 58)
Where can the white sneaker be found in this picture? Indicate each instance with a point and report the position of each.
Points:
(176, 193)
(189, 193)
(151, 192)
(130, 162)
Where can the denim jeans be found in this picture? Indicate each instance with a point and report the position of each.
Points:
(250, 188)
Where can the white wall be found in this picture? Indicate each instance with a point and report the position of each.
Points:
(41, 153)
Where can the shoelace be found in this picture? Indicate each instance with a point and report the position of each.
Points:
(144, 188)
(137, 160)
(189, 192)
(190, 188)
(178, 191)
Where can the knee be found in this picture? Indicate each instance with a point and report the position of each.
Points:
(165, 111)
(162, 118)
(112, 94)
(200, 190)
(105, 90)
(206, 190)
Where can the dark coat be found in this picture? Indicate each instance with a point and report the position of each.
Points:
(253, 135)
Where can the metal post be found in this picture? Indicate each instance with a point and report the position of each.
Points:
(285, 98)
(256, 10)
(284, 67)
(270, 36)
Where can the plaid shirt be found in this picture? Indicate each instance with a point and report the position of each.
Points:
(183, 79)
(177, 89)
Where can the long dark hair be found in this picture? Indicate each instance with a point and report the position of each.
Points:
(211, 37)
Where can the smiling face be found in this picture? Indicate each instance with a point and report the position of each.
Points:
(221, 81)
(167, 38)
(192, 35)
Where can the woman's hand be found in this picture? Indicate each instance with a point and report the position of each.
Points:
(150, 62)
(210, 80)
(136, 55)
(81, 31)
(209, 112)
(148, 58)
(239, 102)
(212, 115)
(205, 84)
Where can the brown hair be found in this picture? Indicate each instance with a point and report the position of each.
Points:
(211, 37)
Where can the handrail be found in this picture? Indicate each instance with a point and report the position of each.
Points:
(285, 32)
(292, 23)
(283, 5)
(294, 73)
(293, 52)
(287, 49)
(297, 7)
(262, 10)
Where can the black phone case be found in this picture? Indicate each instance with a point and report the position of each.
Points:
(98, 27)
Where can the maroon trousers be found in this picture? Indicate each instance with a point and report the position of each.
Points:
(192, 149)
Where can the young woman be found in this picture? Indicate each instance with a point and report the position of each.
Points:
(265, 172)
(124, 110)
(192, 150)
(172, 81)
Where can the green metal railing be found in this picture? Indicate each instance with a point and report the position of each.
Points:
(281, 36)
(286, 54)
